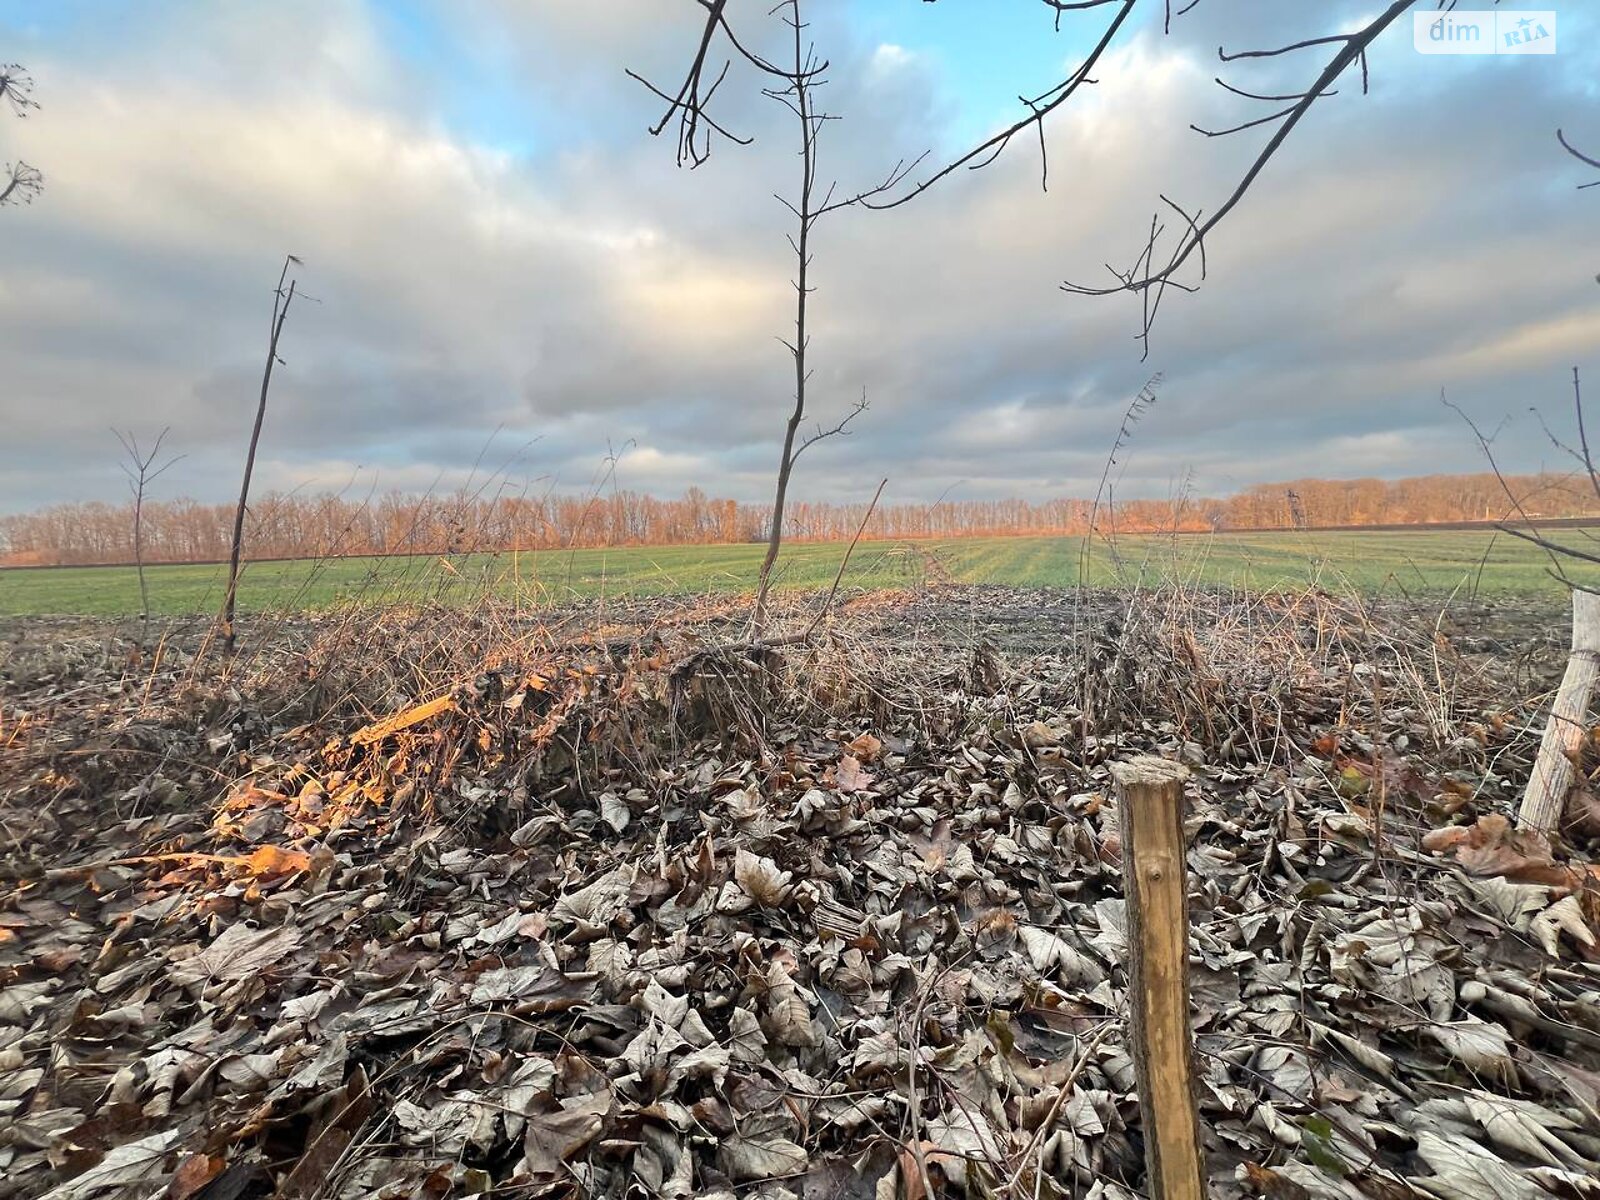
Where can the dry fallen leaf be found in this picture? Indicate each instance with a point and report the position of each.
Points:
(556, 930)
(615, 812)
(193, 1174)
(554, 1137)
(866, 747)
(273, 862)
(1463, 1170)
(238, 953)
(1483, 1046)
(761, 879)
(140, 1162)
(747, 1157)
(1271, 1184)
(849, 776)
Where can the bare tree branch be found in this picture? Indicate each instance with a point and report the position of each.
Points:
(1579, 454)
(1581, 157)
(856, 410)
(1554, 548)
(844, 562)
(1141, 278)
(1152, 272)
(690, 103)
(1583, 433)
(1237, 91)
(1039, 108)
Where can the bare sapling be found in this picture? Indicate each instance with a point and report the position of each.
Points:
(795, 91)
(281, 299)
(794, 86)
(139, 465)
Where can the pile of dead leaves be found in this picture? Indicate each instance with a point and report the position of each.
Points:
(535, 936)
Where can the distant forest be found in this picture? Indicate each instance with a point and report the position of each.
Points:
(316, 526)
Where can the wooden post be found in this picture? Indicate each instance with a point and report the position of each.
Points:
(1155, 878)
(1545, 801)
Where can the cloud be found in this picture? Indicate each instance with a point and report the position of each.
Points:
(497, 254)
(888, 58)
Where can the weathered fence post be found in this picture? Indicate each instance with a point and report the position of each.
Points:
(1545, 801)
(1155, 878)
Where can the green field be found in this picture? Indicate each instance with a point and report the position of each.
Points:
(1398, 563)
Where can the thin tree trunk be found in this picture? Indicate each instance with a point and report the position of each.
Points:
(280, 314)
(808, 167)
(138, 556)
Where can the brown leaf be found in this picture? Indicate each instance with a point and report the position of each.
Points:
(760, 878)
(849, 775)
(937, 846)
(554, 1137)
(311, 1172)
(713, 1114)
(912, 1165)
(1438, 841)
(866, 748)
(1493, 847)
(131, 1164)
(193, 1174)
(1272, 1185)
(274, 862)
(1583, 814)
(788, 1015)
(57, 959)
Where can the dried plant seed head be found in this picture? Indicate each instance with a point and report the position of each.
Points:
(22, 184)
(16, 89)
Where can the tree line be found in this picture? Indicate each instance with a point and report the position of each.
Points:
(315, 526)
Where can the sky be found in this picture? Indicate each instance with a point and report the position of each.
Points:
(506, 276)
